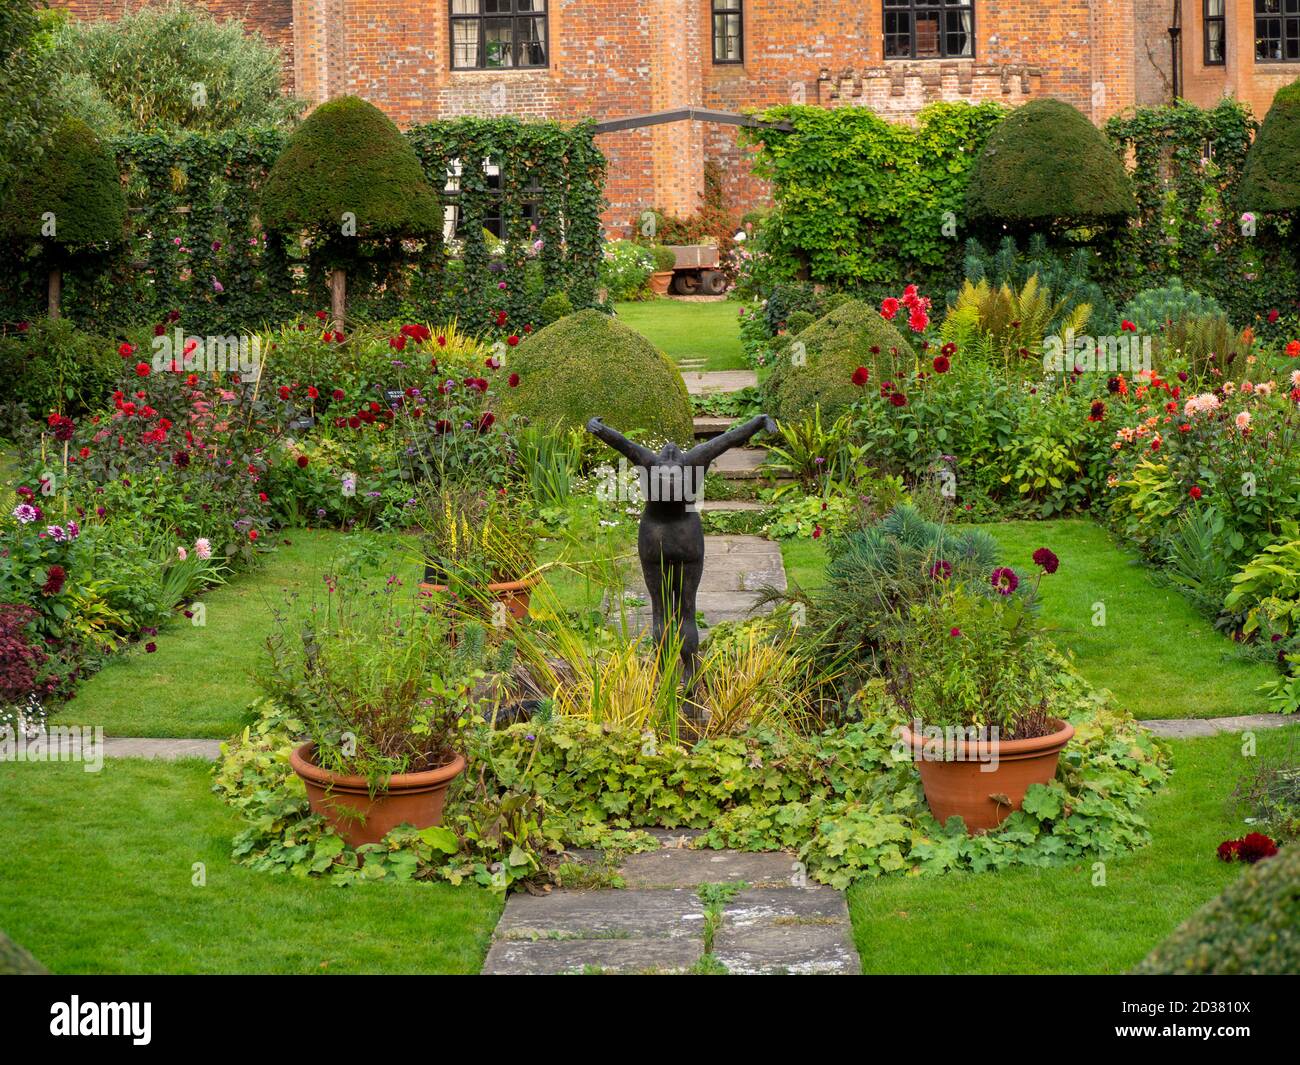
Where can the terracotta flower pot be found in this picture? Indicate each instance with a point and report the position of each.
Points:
(409, 798)
(985, 799)
(515, 595)
(659, 282)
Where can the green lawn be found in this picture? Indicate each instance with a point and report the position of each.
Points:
(200, 680)
(805, 563)
(1155, 652)
(1055, 920)
(708, 330)
(98, 879)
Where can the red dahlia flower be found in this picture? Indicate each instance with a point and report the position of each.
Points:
(1004, 580)
(1046, 560)
(941, 364)
(861, 376)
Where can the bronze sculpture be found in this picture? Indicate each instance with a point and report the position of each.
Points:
(670, 540)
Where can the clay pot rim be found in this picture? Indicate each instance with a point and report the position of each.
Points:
(299, 759)
(496, 586)
(1007, 750)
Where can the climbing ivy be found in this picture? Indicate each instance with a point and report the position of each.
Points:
(196, 246)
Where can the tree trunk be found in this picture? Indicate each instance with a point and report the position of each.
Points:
(338, 298)
(55, 291)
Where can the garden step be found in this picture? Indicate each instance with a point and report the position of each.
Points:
(1184, 728)
(707, 506)
(740, 464)
(712, 381)
(681, 868)
(707, 425)
(167, 749)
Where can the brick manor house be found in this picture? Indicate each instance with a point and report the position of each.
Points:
(609, 59)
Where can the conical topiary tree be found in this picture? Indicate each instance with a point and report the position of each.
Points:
(1048, 167)
(1270, 180)
(352, 183)
(68, 204)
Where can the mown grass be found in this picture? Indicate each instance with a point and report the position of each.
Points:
(705, 330)
(1060, 920)
(199, 681)
(99, 877)
(1154, 651)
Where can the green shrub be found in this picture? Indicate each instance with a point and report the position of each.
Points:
(56, 366)
(76, 181)
(556, 306)
(1270, 181)
(349, 158)
(625, 269)
(820, 373)
(139, 72)
(590, 364)
(1047, 164)
(14, 961)
(1154, 308)
(1252, 928)
(665, 258)
(798, 322)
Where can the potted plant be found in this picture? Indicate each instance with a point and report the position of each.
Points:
(967, 670)
(665, 263)
(381, 696)
(477, 546)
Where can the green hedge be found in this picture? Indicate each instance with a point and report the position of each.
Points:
(588, 364)
(1047, 165)
(195, 245)
(1252, 928)
(1271, 181)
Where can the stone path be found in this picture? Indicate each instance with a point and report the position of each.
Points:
(167, 749)
(769, 922)
(1183, 728)
(706, 383)
(736, 569)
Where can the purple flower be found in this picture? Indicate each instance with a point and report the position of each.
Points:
(25, 513)
(1004, 579)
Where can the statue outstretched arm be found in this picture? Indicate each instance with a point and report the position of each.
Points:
(706, 452)
(635, 453)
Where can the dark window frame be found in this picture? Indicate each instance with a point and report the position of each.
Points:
(1206, 21)
(1287, 16)
(727, 9)
(485, 19)
(910, 8)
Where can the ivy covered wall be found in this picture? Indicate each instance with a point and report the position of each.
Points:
(194, 244)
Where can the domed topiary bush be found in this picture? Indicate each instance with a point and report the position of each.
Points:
(1270, 180)
(1047, 166)
(349, 179)
(68, 203)
(1252, 928)
(816, 367)
(590, 364)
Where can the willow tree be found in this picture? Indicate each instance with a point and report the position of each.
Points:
(351, 186)
(65, 205)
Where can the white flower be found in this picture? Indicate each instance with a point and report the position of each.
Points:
(25, 513)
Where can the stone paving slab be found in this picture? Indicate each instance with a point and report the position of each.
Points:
(1184, 728)
(740, 463)
(595, 956)
(166, 749)
(710, 381)
(716, 505)
(792, 930)
(615, 914)
(711, 425)
(690, 868)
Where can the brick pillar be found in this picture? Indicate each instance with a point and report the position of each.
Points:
(676, 80)
(319, 49)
